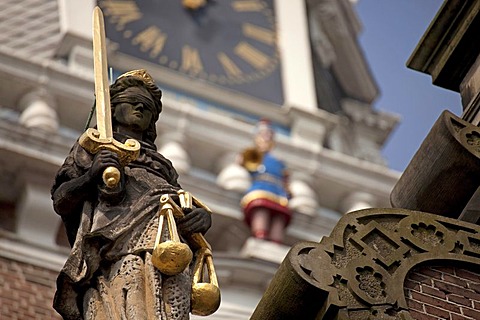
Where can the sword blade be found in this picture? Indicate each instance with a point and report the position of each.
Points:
(100, 67)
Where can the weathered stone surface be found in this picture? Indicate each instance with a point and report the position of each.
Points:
(359, 271)
(113, 229)
(445, 172)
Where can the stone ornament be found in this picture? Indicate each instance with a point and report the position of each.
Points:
(358, 272)
(444, 173)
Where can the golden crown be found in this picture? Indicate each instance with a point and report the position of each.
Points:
(141, 74)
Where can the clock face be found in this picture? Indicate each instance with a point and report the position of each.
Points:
(226, 42)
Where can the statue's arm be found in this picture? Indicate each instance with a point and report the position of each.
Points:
(71, 194)
(197, 220)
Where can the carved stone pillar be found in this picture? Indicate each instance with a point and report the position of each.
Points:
(232, 176)
(369, 129)
(357, 201)
(36, 222)
(173, 149)
(303, 199)
(39, 111)
(444, 173)
(309, 129)
(75, 25)
(298, 80)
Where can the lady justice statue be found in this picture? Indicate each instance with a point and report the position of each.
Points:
(109, 273)
(113, 194)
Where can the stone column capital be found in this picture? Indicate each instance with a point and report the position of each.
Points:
(39, 110)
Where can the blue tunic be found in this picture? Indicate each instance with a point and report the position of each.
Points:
(269, 177)
(268, 190)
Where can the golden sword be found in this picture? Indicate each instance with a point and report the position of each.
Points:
(100, 67)
(94, 140)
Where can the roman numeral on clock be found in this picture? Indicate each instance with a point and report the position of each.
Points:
(191, 61)
(251, 55)
(228, 65)
(121, 12)
(151, 39)
(247, 5)
(264, 35)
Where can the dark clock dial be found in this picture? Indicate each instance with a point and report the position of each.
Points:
(227, 42)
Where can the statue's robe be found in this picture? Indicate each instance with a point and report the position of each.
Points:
(109, 273)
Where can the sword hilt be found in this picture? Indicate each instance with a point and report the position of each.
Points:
(111, 177)
(127, 152)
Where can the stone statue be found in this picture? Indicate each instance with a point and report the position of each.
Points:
(265, 203)
(112, 230)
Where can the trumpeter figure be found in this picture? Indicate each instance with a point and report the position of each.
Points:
(265, 204)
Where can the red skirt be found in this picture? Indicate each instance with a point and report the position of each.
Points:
(273, 207)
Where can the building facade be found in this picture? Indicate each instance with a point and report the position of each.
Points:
(419, 259)
(296, 62)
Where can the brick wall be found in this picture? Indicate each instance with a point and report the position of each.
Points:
(26, 292)
(435, 293)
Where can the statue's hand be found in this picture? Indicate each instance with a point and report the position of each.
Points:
(198, 220)
(102, 160)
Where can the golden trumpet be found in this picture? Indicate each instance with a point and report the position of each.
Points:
(251, 159)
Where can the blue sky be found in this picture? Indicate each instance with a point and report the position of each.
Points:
(391, 31)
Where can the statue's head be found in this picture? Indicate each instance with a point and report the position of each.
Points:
(135, 87)
(265, 136)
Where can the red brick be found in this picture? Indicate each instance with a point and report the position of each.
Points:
(420, 297)
(459, 317)
(445, 269)
(474, 286)
(433, 292)
(434, 311)
(21, 299)
(421, 316)
(471, 313)
(412, 304)
(476, 305)
(448, 287)
(414, 285)
(455, 280)
(462, 273)
(470, 294)
(460, 300)
(420, 278)
(431, 273)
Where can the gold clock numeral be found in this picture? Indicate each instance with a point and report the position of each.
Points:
(247, 5)
(251, 55)
(191, 61)
(151, 39)
(228, 65)
(122, 12)
(264, 35)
